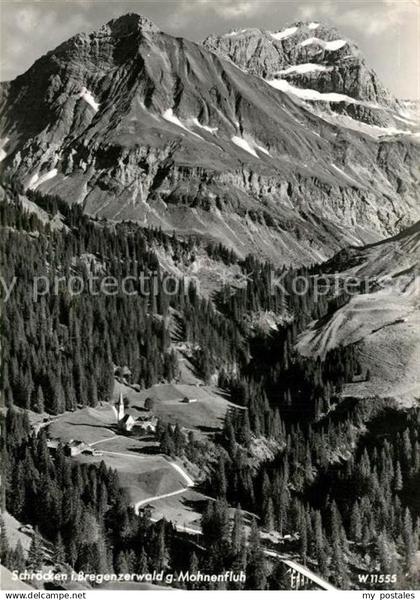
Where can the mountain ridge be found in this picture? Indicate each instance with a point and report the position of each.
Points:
(136, 124)
(310, 55)
(382, 321)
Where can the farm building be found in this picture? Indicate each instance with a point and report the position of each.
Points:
(146, 511)
(70, 448)
(148, 424)
(92, 451)
(188, 400)
(74, 447)
(359, 377)
(126, 423)
(53, 444)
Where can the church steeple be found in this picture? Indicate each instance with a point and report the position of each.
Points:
(120, 408)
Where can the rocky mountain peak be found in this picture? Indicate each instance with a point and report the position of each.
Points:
(130, 24)
(312, 61)
(138, 125)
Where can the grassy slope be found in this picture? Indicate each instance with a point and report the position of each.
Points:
(385, 324)
(205, 415)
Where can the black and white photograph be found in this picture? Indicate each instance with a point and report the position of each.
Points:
(209, 298)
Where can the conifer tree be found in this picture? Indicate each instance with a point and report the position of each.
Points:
(193, 567)
(4, 544)
(256, 569)
(143, 563)
(356, 523)
(17, 559)
(408, 538)
(35, 553)
(121, 564)
(59, 549)
(237, 531)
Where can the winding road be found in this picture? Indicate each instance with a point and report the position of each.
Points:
(154, 498)
(188, 481)
(291, 564)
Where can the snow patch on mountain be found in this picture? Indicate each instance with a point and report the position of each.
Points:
(347, 176)
(330, 45)
(308, 94)
(304, 68)
(235, 32)
(197, 123)
(313, 25)
(262, 149)
(383, 131)
(404, 119)
(250, 145)
(88, 97)
(375, 131)
(282, 35)
(3, 153)
(33, 180)
(244, 144)
(169, 116)
(36, 180)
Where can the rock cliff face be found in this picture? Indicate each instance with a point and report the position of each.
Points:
(325, 68)
(136, 124)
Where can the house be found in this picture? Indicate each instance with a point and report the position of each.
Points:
(360, 377)
(146, 511)
(147, 424)
(187, 400)
(70, 448)
(53, 444)
(74, 447)
(92, 451)
(126, 423)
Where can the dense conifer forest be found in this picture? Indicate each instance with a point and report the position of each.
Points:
(334, 482)
(59, 348)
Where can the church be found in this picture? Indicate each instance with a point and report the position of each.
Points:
(124, 421)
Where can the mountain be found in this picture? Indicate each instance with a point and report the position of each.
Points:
(135, 124)
(313, 62)
(383, 323)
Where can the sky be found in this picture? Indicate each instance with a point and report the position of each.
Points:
(387, 31)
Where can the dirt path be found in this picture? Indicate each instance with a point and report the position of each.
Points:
(187, 478)
(104, 440)
(304, 571)
(137, 456)
(154, 498)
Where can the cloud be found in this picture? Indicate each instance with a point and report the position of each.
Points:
(369, 18)
(28, 31)
(226, 9)
(381, 18)
(236, 9)
(384, 29)
(317, 9)
(15, 46)
(26, 19)
(307, 12)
